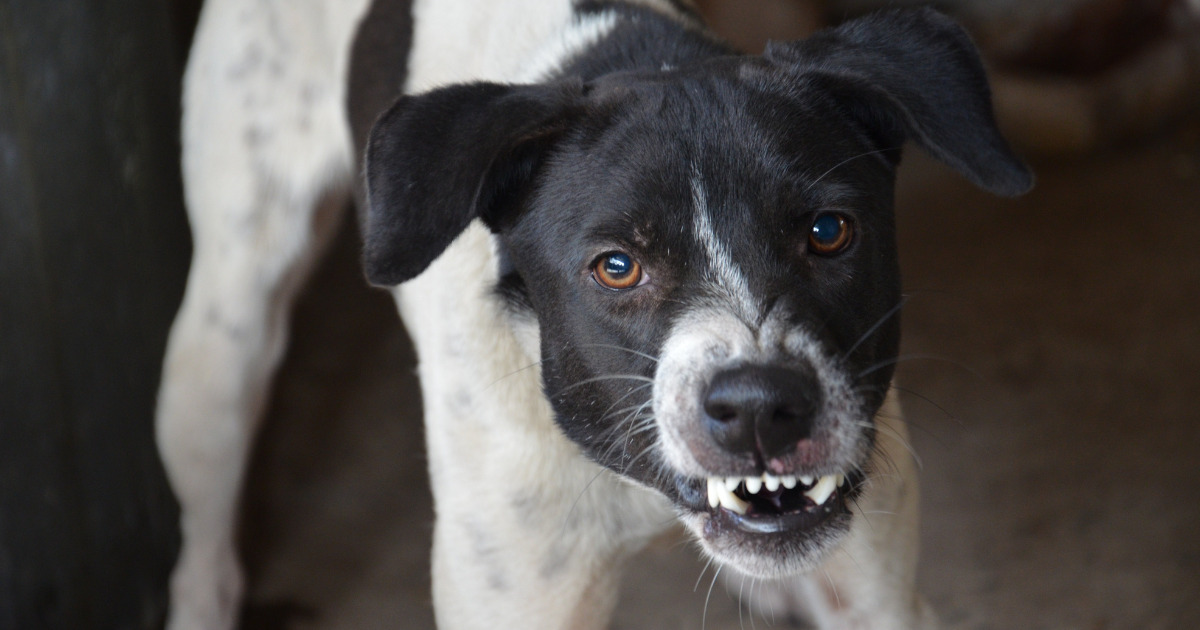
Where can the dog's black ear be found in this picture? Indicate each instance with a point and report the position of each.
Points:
(913, 74)
(437, 161)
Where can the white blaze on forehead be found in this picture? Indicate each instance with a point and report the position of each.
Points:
(727, 275)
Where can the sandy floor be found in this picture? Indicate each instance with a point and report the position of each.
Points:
(1061, 488)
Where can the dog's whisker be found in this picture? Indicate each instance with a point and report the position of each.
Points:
(648, 426)
(753, 583)
(888, 461)
(741, 586)
(922, 357)
(629, 411)
(931, 403)
(624, 444)
(704, 615)
(650, 448)
(772, 616)
(606, 377)
(513, 373)
(622, 348)
(895, 435)
(845, 162)
(618, 401)
(912, 357)
(634, 430)
(702, 572)
(832, 587)
(870, 524)
(578, 498)
(870, 331)
(637, 428)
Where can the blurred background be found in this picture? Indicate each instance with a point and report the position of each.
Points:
(1055, 344)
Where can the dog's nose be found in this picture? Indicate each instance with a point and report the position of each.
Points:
(762, 408)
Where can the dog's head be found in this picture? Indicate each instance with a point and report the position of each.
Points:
(709, 253)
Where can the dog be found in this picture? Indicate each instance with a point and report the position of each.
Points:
(649, 280)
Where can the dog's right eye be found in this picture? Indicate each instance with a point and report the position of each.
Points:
(617, 271)
(831, 233)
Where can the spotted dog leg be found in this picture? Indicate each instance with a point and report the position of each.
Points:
(266, 162)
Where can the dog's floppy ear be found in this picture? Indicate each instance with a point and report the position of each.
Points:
(437, 161)
(912, 74)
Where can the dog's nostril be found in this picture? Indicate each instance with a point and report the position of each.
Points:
(720, 412)
(787, 414)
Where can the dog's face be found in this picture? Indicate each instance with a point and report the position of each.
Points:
(715, 287)
(709, 254)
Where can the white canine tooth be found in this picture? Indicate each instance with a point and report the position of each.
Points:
(771, 482)
(730, 501)
(840, 478)
(789, 481)
(820, 492)
(713, 499)
(731, 483)
(753, 484)
(806, 480)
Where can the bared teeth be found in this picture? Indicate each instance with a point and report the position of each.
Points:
(824, 487)
(720, 495)
(771, 482)
(721, 489)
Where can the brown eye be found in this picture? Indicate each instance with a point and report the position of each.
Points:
(831, 233)
(616, 271)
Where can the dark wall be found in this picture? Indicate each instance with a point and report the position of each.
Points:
(93, 255)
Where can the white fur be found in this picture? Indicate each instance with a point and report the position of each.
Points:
(265, 166)
(529, 533)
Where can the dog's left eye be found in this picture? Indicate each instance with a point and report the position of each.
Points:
(831, 233)
(616, 271)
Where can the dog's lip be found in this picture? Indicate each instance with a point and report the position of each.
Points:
(803, 520)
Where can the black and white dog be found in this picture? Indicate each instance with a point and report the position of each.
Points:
(648, 279)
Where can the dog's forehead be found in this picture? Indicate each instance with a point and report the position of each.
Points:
(740, 127)
(658, 146)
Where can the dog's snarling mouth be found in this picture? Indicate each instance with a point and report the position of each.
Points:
(770, 504)
(770, 526)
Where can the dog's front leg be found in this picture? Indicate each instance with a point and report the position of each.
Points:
(869, 583)
(265, 142)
